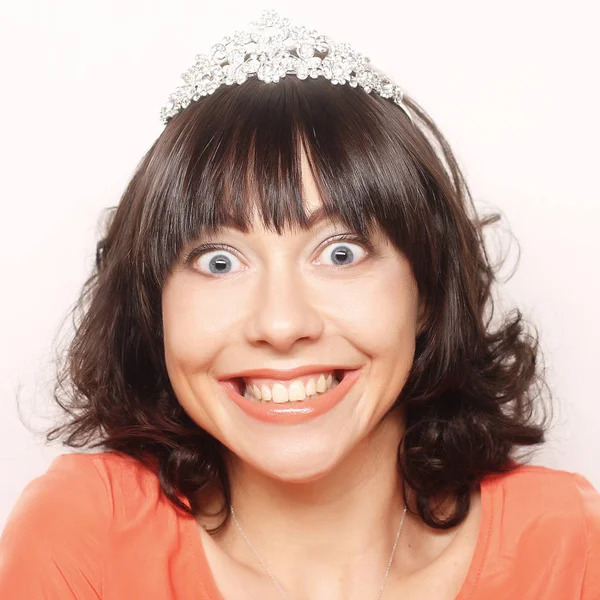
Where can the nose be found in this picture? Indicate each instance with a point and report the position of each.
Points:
(282, 312)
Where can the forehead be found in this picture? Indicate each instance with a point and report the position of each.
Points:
(311, 201)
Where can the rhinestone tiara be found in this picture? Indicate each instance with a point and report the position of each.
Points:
(272, 49)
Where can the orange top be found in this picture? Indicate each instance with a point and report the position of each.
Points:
(97, 526)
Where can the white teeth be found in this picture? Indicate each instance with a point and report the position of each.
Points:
(295, 391)
(265, 392)
(321, 384)
(280, 393)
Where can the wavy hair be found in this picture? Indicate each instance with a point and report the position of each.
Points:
(474, 390)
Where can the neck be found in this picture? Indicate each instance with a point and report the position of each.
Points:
(335, 521)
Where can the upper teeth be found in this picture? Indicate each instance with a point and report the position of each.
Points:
(294, 390)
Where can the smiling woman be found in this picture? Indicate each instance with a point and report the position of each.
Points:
(287, 304)
(291, 314)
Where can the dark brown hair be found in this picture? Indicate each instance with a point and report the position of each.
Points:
(474, 390)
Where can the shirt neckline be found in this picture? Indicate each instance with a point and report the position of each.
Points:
(205, 580)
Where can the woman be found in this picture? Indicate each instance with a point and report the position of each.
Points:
(287, 361)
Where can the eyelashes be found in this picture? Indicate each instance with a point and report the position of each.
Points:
(220, 262)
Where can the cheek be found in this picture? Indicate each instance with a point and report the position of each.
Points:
(196, 325)
(378, 314)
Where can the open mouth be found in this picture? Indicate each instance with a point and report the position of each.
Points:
(298, 390)
(290, 401)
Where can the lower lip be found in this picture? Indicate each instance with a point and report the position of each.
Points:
(293, 412)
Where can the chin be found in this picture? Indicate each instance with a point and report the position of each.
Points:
(302, 466)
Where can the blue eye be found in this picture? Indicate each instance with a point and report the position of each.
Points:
(342, 253)
(218, 262)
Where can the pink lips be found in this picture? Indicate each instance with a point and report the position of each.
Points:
(292, 412)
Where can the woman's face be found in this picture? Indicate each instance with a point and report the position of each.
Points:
(303, 300)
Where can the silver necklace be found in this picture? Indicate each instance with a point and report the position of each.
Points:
(278, 585)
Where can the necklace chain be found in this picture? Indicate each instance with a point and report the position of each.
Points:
(278, 585)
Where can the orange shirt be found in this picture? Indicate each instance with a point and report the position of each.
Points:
(97, 526)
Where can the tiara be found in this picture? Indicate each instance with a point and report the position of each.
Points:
(272, 49)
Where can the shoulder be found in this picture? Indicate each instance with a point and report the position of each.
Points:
(525, 475)
(528, 489)
(531, 492)
(547, 511)
(84, 486)
(71, 489)
(57, 533)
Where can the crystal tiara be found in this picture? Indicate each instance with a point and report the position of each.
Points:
(272, 49)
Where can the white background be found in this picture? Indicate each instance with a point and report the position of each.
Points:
(513, 85)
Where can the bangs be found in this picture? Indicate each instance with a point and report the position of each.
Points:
(236, 156)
